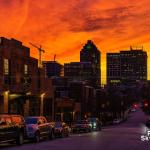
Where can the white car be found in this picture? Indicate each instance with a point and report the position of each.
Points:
(116, 121)
(133, 110)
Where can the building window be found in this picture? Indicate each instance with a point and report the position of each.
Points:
(6, 66)
(25, 69)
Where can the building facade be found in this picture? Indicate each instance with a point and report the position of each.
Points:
(52, 68)
(78, 71)
(22, 84)
(113, 68)
(127, 67)
(17, 73)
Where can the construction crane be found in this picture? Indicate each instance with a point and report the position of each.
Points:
(40, 53)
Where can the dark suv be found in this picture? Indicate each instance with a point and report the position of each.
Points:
(12, 128)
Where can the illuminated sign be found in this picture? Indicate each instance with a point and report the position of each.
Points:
(146, 137)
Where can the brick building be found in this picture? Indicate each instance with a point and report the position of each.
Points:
(23, 85)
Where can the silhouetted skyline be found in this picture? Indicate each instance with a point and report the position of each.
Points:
(62, 27)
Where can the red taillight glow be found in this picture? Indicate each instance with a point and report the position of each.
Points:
(135, 105)
(146, 104)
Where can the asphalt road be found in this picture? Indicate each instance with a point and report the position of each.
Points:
(126, 136)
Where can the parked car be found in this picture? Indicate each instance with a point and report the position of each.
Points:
(116, 121)
(81, 126)
(95, 124)
(133, 110)
(61, 129)
(12, 128)
(38, 127)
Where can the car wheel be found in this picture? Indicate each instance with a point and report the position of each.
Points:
(62, 134)
(86, 130)
(67, 134)
(20, 139)
(37, 137)
(51, 135)
(12, 142)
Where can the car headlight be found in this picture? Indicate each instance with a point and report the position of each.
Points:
(90, 124)
(94, 124)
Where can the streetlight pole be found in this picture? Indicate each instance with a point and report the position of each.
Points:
(41, 104)
(6, 101)
(53, 103)
(53, 108)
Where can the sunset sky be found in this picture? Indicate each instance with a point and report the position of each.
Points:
(62, 27)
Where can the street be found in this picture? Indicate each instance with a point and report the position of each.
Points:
(125, 136)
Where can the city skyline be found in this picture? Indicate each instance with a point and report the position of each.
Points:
(74, 74)
(62, 28)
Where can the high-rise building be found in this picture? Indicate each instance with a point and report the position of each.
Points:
(52, 68)
(90, 53)
(113, 68)
(78, 71)
(127, 67)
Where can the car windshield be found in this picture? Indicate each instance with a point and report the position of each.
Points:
(81, 122)
(31, 120)
(58, 124)
(92, 119)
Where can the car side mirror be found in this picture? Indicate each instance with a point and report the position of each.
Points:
(2, 123)
(39, 123)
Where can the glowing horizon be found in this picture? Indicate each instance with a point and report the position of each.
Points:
(63, 27)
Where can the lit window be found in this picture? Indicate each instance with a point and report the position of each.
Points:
(25, 69)
(6, 66)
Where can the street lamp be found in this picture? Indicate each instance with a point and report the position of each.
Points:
(6, 98)
(28, 93)
(41, 105)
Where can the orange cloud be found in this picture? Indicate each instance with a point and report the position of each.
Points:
(62, 27)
